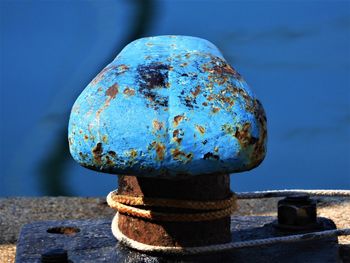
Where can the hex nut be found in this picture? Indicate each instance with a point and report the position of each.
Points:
(297, 212)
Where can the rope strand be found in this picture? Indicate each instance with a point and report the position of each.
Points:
(284, 193)
(226, 246)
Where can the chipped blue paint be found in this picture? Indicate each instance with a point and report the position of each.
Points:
(168, 106)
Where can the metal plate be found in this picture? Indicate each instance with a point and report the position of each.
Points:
(92, 241)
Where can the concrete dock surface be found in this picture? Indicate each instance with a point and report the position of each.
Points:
(15, 212)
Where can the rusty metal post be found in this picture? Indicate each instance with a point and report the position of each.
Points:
(202, 188)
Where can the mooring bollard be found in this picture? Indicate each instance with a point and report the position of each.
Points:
(172, 118)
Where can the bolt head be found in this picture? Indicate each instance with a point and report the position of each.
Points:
(297, 212)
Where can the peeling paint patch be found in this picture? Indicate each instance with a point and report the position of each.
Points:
(181, 156)
(157, 125)
(228, 129)
(211, 156)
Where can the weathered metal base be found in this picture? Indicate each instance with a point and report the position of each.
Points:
(200, 188)
(92, 241)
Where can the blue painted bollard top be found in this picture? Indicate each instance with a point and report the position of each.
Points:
(168, 106)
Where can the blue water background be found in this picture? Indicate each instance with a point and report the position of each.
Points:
(295, 55)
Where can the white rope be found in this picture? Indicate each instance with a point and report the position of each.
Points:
(223, 247)
(283, 193)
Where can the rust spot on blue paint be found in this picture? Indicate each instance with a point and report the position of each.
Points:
(133, 153)
(181, 156)
(157, 125)
(97, 153)
(196, 91)
(112, 153)
(160, 150)
(178, 119)
(112, 91)
(211, 156)
(215, 109)
(153, 76)
(177, 135)
(201, 129)
(129, 92)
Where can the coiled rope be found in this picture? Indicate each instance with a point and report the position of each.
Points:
(162, 202)
(242, 244)
(125, 205)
